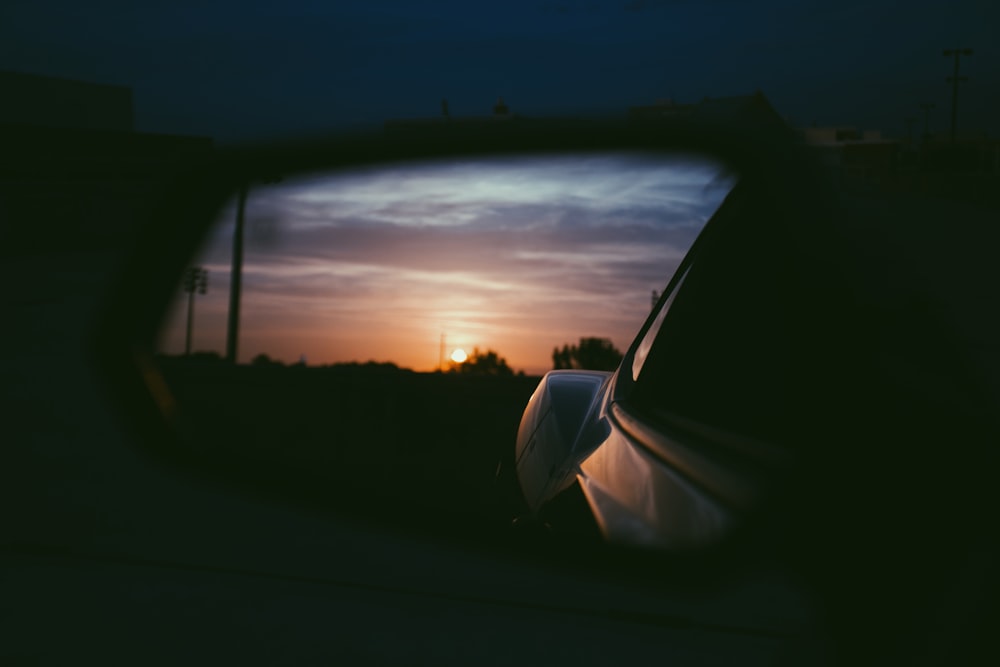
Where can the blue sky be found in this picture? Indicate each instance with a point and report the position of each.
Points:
(515, 255)
(240, 71)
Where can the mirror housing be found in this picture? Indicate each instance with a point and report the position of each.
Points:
(563, 418)
(135, 313)
(817, 527)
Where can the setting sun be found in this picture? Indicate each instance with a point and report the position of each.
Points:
(516, 255)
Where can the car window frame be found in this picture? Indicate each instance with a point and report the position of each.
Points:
(733, 466)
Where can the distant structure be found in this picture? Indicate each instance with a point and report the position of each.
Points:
(855, 158)
(661, 109)
(45, 101)
(501, 114)
(866, 161)
(752, 111)
(73, 172)
(837, 135)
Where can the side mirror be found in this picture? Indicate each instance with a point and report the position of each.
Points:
(563, 419)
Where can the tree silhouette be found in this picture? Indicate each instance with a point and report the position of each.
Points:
(483, 363)
(265, 360)
(593, 354)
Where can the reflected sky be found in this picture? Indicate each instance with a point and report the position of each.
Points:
(517, 255)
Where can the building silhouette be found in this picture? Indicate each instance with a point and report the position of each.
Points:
(500, 114)
(749, 112)
(73, 172)
(45, 101)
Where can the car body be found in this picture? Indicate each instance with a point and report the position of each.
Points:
(825, 386)
(644, 484)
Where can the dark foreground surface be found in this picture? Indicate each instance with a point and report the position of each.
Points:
(107, 556)
(362, 440)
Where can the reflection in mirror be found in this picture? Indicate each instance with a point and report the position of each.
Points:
(394, 322)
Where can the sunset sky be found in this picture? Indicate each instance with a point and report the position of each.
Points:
(517, 255)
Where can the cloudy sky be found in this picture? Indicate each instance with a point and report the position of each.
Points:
(516, 255)
(242, 70)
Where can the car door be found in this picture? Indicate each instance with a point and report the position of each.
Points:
(702, 405)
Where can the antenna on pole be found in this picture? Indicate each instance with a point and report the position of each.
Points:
(441, 355)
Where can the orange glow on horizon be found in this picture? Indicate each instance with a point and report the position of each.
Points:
(516, 256)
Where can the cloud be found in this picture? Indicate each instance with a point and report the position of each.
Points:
(517, 255)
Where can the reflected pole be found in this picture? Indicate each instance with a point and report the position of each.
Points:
(236, 279)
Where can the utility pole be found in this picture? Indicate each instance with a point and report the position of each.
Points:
(926, 107)
(235, 283)
(954, 80)
(195, 280)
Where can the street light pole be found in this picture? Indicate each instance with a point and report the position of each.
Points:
(195, 279)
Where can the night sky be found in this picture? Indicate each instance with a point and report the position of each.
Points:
(244, 70)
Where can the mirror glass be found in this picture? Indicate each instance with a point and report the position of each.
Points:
(394, 322)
